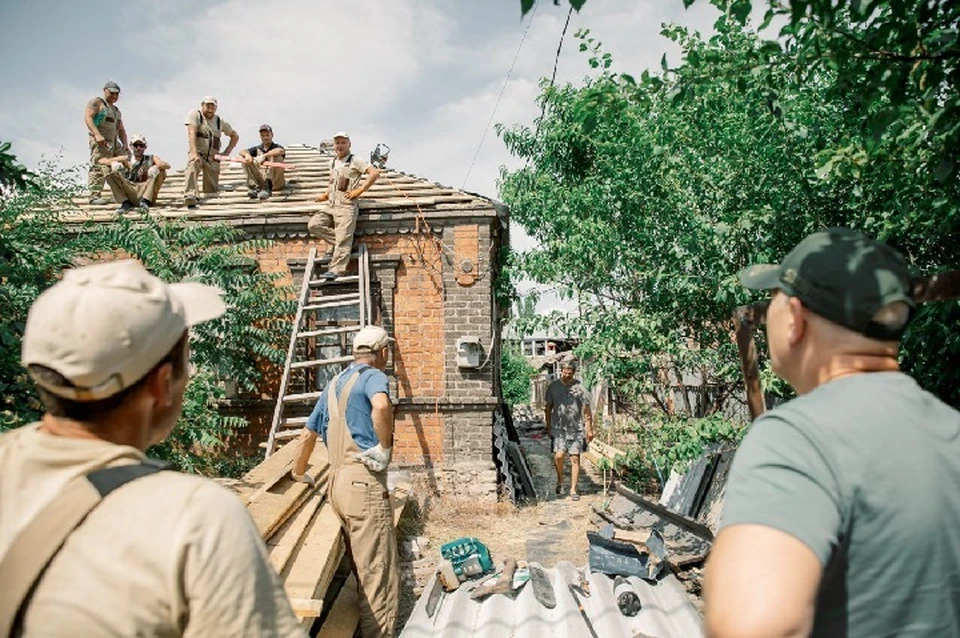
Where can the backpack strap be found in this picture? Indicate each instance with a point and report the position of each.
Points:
(35, 547)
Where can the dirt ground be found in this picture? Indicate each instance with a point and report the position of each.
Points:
(549, 530)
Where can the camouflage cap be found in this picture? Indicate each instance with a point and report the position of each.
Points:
(111, 86)
(843, 276)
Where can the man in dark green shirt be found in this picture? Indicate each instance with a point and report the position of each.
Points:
(842, 508)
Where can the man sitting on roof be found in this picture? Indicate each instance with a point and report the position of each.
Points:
(262, 180)
(136, 181)
(337, 220)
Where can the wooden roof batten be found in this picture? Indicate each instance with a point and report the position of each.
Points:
(392, 205)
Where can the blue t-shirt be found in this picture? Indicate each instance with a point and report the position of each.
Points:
(359, 407)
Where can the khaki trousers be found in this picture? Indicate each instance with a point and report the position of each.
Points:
(257, 176)
(126, 191)
(211, 176)
(361, 500)
(335, 224)
(96, 172)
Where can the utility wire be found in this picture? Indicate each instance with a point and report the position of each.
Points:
(499, 97)
(556, 60)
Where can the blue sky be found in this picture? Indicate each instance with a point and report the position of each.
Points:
(421, 75)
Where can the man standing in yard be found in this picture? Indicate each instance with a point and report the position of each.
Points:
(841, 512)
(108, 138)
(569, 424)
(145, 551)
(262, 180)
(137, 181)
(204, 131)
(337, 220)
(354, 416)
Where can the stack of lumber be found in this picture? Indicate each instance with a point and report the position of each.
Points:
(303, 535)
(598, 452)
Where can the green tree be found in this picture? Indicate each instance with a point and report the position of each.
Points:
(37, 244)
(515, 373)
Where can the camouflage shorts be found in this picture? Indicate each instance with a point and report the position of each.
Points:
(573, 444)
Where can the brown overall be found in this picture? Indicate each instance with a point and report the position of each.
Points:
(360, 498)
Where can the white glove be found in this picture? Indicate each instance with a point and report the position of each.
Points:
(376, 458)
(303, 478)
(116, 167)
(153, 171)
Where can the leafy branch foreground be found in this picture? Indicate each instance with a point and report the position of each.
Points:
(37, 244)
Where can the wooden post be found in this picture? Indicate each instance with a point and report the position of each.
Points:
(748, 358)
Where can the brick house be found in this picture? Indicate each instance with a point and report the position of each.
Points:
(433, 263)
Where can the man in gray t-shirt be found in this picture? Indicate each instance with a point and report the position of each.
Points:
(569, 424)
(842, 513)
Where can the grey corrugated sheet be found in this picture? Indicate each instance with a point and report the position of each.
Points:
(666, 612)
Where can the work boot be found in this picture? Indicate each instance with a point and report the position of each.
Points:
(265, 193)
(252, 192)
(190, 201)
(99, 201)
(329, 275)
(145, 205)
(125, 207)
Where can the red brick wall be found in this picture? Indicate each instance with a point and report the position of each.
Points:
(418, 327)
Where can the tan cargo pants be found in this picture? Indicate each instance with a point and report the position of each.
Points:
(335, 224)
(360, 498)
(126, 191)
(211, 176)
(96, 172)
(257, 176)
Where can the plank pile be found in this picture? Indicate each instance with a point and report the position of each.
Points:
(303, 535)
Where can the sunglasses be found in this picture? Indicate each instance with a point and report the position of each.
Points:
(139, 145)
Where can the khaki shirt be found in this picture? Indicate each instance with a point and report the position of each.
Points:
(168, 554)
(207, 130)
(106, 119)
(352, 171)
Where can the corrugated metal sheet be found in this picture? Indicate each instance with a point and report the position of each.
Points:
(666, 612)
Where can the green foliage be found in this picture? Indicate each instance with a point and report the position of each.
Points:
(36, 245)
(648, 193)
(12, 173)
(668, 443)
(515, 373)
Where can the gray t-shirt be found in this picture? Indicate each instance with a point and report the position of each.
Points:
(864, 470)
(566, 417)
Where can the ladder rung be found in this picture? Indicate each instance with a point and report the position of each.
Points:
(347, 279)
(296, 420)
(328, 331)
(287, 434)
(353, 296)
(333, 304)
(306, 396)
(319, 362)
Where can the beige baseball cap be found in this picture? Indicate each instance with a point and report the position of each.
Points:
(105, 326)
(371, 339)
(208, 100)
(341, 134)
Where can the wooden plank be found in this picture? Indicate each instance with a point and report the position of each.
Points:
(272, 508)
(313, 564)
(344, 616)
(306, 608)
(283, 544)
(265, 474)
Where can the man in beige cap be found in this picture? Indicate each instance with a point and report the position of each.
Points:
(354, 416)
(95, 539)
(337, 220)
(107, 136)
(204, 130)
(136, 181)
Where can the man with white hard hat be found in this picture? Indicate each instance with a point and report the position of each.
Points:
(354, 416)
(337, 220)
(95, 538)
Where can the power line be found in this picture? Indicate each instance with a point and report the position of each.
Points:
(499, 97)
(556, 60)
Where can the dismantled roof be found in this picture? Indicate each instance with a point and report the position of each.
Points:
(666, 611)
(396, 196)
